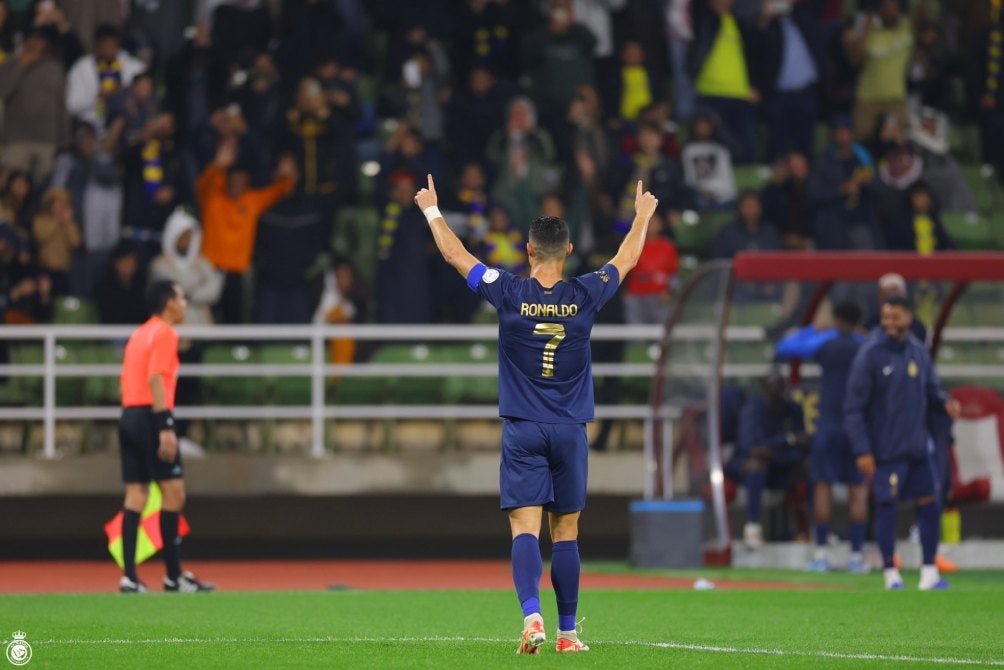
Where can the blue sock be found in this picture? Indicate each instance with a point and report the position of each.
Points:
(527, 568)
(885, 532)
(858, 536)
(565, 580)
(822, 534)
(754, 492)
(928, 522)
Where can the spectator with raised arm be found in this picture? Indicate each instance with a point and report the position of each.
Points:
(230, 211)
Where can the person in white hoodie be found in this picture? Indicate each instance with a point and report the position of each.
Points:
(181, 262)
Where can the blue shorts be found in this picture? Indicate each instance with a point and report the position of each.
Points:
(905, 480)
(543, 464)
(832, 460)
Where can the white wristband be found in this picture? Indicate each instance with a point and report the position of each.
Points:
(432, 213)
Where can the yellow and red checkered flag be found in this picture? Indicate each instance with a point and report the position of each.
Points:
(148, 539)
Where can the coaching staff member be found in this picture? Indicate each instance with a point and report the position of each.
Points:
(148, 444)
(891, 386)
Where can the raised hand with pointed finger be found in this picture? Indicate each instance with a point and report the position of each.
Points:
(645, 203)
(426, 197)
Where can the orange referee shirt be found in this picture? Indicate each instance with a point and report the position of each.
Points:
(151, 350)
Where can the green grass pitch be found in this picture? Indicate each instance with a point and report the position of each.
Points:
(850, 624)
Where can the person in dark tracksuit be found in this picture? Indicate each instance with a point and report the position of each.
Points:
(831, 460)
(891, 386)
(773, 446)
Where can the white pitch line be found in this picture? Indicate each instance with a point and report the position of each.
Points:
(682, 646)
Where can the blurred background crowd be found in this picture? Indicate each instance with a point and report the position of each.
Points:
(265, 154)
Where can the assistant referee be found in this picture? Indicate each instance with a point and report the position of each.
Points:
(147, 441)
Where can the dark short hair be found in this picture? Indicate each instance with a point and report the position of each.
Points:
(107, 30)
(159, 293)
(549, 236)
(899, 301)
(848, 311)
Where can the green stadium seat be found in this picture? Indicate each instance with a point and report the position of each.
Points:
(99, 390)
(412, 390)
(28, 389)
(73, 311)
(753, 177)
(696, 239)
(356, 236)
(969, 231)
(70, 390)
(232, 390)
(479, 390)
(286, 390)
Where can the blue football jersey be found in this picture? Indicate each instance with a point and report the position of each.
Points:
(545, 368)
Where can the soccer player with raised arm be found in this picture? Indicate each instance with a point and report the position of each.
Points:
(545, 397)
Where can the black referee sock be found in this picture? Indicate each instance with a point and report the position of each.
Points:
(172, 543)
(130, 526)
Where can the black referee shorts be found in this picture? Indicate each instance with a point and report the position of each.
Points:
(138, 443)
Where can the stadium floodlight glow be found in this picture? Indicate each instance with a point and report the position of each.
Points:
(370, 168)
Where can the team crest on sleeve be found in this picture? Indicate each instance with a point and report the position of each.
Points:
(491, 274)
(603, 275)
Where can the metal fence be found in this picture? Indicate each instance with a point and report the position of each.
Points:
(313, 340)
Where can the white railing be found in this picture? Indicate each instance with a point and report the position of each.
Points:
(314, 367)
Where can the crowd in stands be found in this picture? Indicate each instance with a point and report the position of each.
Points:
(228, 143)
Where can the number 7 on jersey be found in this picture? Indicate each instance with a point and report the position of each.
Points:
(557, 331)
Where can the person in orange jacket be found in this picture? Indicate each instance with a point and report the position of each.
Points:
(230, 211)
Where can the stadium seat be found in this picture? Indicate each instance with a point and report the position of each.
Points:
(752, 177)
(355, 237)
(73, 311)
(70, 390)
(232, 390)
(478, 390)
(696, 239)
(411, 390)
(969, 231)
(27, 389)
(101, 390)
(286, 390)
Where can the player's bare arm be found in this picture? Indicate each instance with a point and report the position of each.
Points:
(447, 242)
(168, 449)
(627, 256)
